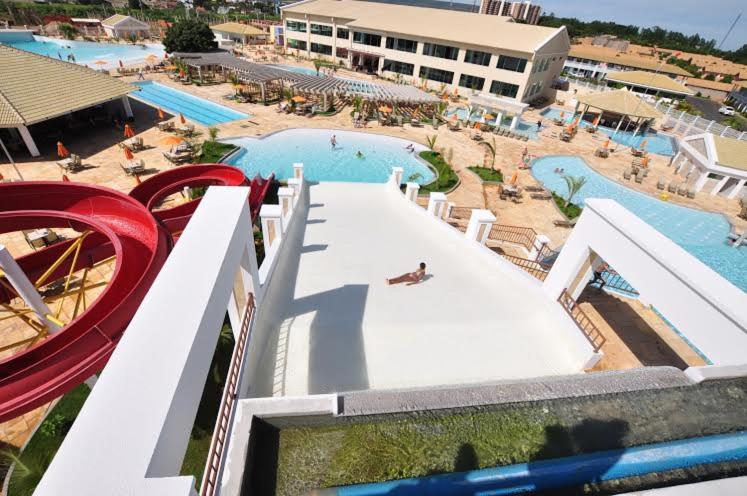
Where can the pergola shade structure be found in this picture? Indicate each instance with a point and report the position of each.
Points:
(619, 106)
(714, 163)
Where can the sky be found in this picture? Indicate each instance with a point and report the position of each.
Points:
(709, 18)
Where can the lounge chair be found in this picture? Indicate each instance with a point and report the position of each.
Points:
(637, 152)
(682, 190)
(602, 152)
(591, 129)
(133, 144)
(672, 188)
(566, 136)
(71, 164)
(628, 173)
(186, 129)
(639, 177)
(133, 167)
(415, 123)
(476, 135)
(541, 196)
(565, 222)
(453, 126)
(661, 184)
(691, 193)
(166, 126)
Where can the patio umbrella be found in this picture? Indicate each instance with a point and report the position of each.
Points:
(128, 131)
(182, 119)
(606, 144)
(562, 115)
(151, 58)
(61, 150)
(384, 108)
(182, 73)
(596, 121)
(299, 99)
(137, 179)
(101, 62)
(128, 154)
(171, 140)
(488, 117)
(645, 161)
(477, 125)
(160, 113)
(514, 178)
(65, 179)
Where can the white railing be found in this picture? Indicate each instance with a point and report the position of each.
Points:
(687, 124)
(584, 84)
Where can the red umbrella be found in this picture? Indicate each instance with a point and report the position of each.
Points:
(182, 119)
(61, 150)
(128, 131)
(128, 154)
(65, 179)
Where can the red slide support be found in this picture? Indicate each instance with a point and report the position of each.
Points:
(122, 226)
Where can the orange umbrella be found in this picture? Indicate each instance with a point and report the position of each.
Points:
(160, 113)
(151, 58)
(101, 62)
(569, 128)
(182, 73)
(645, 161)
(477, 125)
(606, 144)
(128, 131)
(171, 140)
(385, 109)
(643, 144)
(514, 178)
(61, 150)
(182, 119)
(596, 121)
(488, 117)
(65, 179)
(299, 99)
(137, 179)
(128, 154)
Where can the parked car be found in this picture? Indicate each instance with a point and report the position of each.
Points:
(726, 110)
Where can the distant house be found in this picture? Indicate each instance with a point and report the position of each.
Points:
(228, 33)
(716, 90)
(122, 26)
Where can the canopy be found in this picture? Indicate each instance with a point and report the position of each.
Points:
(650, 81)
(620, 102)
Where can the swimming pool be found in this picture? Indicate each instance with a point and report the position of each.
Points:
(525, 127)
(88, 52)
(178, 102)
(295, 68)
(702, 234)
(279, 151)
(660, 144)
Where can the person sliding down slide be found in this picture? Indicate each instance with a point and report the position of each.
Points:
(410, 278)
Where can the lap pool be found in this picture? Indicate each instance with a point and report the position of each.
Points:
(658, 143)
(530, 129)
(702, 234)
(192, 107)
(276, 153)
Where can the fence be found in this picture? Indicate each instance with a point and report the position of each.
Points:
(687, 124)
(584, 323)
(523, 236)
(585, 84)
(530, 266)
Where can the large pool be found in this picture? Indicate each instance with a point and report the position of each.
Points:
(658, 143)
(295, 68)
(702, 234)
(88, 52)
(178, 102)
(278, 152)
(529, 128)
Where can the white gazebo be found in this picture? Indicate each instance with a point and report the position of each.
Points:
(720, 163)
(500, 106)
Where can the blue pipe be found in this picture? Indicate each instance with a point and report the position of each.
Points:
(569, 471)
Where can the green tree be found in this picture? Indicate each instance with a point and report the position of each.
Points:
(318, 64)
(189, 35)
(28, 471)
(212, 133)
(491, 149)
(68, 31)
(574, 183)
(431, 142)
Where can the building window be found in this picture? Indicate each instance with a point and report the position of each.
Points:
(342, 52)
(440, 51)
(398, 67)
(511, 63)
(472, 82)
(295, 26)
(321, 29)
(297, 44)
(438, 75)
(402, 44)
(343, 33)
(504, 89)
(367, 39)
(320, 48)
(476, 57)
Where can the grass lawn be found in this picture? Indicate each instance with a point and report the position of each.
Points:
(571, 211)
(487, 174)
(47, 440)
(212, 151)
(447, 178)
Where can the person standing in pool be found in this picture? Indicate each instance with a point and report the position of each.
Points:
(333, 141)
(539, 124)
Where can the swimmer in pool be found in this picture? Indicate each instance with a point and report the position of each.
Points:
(359, 154)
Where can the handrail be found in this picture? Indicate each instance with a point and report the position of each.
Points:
(527, 265)
(524, 236)
(227, 405)
(590, 331)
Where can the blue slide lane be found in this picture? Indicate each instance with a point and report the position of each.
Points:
(569, 471)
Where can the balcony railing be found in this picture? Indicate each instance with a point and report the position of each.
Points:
(590, 331)
(227, 406)
(522, 236)
(529, 266)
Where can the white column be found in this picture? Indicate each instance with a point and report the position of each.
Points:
(514, 122)
(28, 140)
(436, 204)
(499, 119)
(298, 170)
(701, 181)
(398, 172)
(719, 185)
(126, 105)
(272, 229)
(285, 198)
(296, 185)
(449, 208)
(479, 225)
(411, 192)
(735, 191)
(25, 289)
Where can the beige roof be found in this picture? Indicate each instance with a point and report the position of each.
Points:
(117, 18)
(612, 56)
(620, 102)
(711, 85)
(34, 88)
(237, 28)
(447, 25)
(650, 80)
(731, 152)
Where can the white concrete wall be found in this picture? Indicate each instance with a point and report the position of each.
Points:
(132, 433)
(702, 305)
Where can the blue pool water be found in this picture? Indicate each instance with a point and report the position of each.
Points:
(660, 144)
(295, 68)
(278, 152)
(525, 127)
(88, 52)
(702, 234)
(193, 108)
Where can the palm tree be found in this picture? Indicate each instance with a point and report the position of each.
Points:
(574, 185)
(213, 133)
(318, 64)
(233, 79)
(491, 150)
(471, 111)
(29, 470)
(431, 142)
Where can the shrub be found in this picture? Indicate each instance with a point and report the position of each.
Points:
(55, 425)
(447, 178)
(189, 35)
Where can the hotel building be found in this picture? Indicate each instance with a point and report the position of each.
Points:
(462, 51)
(520, 11)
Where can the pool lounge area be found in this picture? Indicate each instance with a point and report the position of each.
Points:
(192, 107)
(702, 234)
(528, 128)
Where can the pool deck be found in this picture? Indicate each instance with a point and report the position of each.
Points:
(339, 327)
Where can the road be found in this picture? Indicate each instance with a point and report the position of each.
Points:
(709, 108)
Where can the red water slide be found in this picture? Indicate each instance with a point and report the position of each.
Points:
(122, 226)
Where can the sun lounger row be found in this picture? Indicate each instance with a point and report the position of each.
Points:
(508, 133)
(681, 189)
